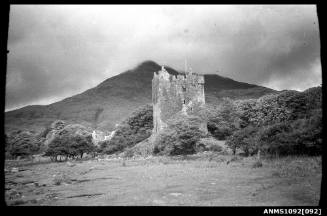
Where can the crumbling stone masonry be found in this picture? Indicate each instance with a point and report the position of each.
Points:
(173, 94)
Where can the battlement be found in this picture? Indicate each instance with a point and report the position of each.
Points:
(188, 77)
(176, 93)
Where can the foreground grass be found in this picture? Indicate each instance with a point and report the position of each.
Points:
(294, 166)
(203, 179)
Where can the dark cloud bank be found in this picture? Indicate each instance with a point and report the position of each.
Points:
(58, 51)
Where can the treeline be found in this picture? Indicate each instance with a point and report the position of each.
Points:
(22, 144)
(289, 122)
(286, 123)
(71, 141)
(58, 140)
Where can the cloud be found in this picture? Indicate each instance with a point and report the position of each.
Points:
(60, 50)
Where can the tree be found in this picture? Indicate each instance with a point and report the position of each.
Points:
(131, 131)
(71, 141)
(79, 145)
(246, 110)
(70, 146)
(22, 143)
(274, 140)
(180, 137)
(286, 123)
(224, 120)
(244, 139)
(58, 146)
(307, 134)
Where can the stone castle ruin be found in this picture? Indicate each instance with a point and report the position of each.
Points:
(176, 94)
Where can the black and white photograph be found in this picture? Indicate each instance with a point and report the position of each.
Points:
(163, 105)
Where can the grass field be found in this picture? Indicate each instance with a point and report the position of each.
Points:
(205, 179)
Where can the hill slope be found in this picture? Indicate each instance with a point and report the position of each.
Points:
(114, 99)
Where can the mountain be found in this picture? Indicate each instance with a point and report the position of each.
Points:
(114, 99)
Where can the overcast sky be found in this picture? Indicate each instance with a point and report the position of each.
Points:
(57, 51)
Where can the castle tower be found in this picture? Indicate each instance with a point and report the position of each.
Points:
(174, 94)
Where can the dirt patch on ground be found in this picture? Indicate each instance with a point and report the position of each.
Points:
(217, 180)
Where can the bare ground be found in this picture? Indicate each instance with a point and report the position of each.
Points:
(201, 181)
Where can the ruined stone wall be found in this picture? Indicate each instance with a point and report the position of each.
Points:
(173, 94)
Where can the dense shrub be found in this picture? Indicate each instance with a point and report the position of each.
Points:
(220, 129)
(268, 109)
(284, 123)
(107, 147)
(302, 103)
(70, 146)
(314, 98)
(276, 108)
(302, 136)
(223, 121)
(208, 144)
(244, 139)
(79, 145)
(71, 141)
(307, 134)
(276, 139)
(180, 136)
(131, 131)
(23, 144)
(246, 110)
(58, 146)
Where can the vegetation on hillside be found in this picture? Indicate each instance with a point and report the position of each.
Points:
(131, 131)
(283, 124)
